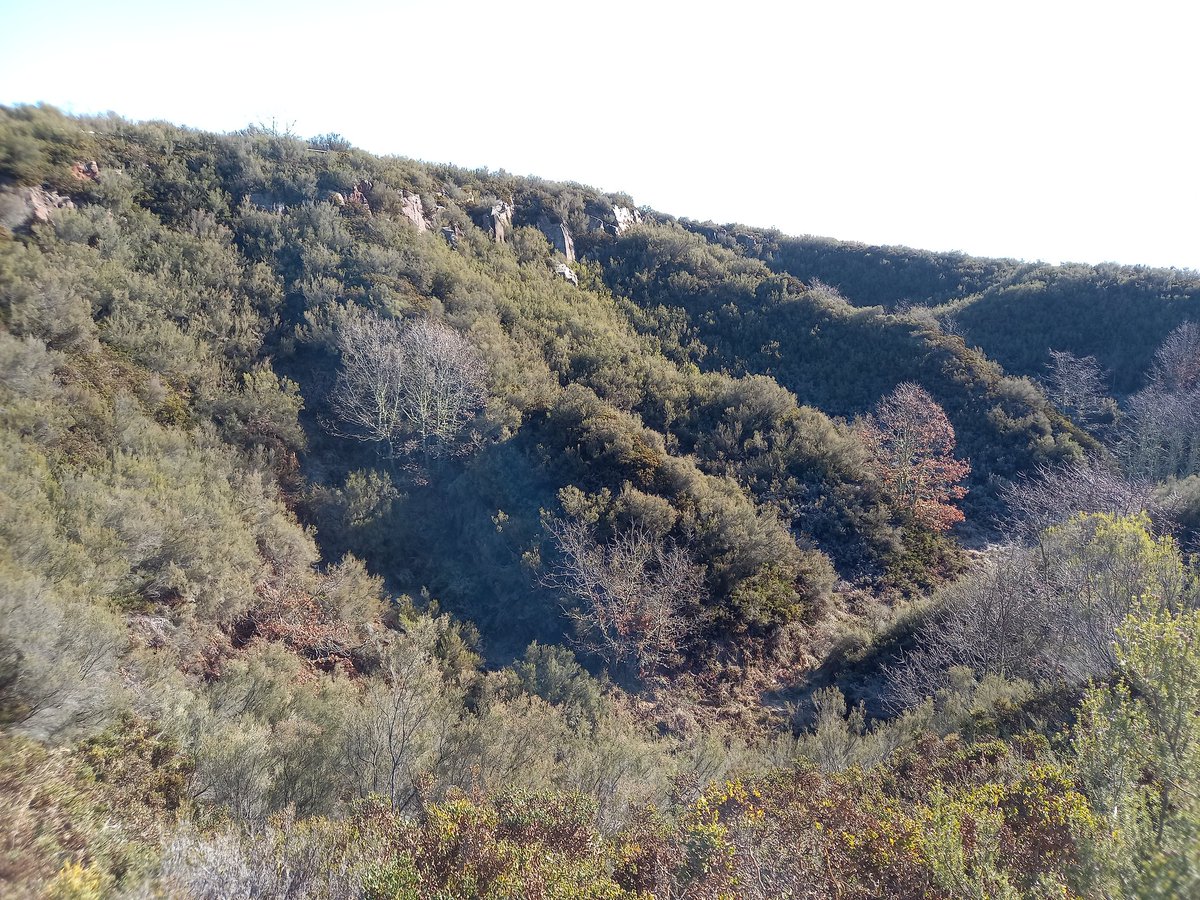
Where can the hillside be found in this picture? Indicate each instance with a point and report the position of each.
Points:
(375, 528)
(1016, 312)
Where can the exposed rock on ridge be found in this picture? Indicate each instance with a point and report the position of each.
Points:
(502, 221)
(625, 218)
(559, 236)
(414, 210)
(20, 207)
(567, 273)
(86, 171)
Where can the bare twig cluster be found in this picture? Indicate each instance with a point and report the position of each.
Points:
(407, 386)
(1055, 493)
(1161, 438)
(1047, 612)
(1078, 386)
(632, 598)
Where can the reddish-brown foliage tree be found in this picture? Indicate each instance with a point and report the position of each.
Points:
(911, 447)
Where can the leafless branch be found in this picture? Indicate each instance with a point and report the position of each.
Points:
(631, 599)
(407, 386)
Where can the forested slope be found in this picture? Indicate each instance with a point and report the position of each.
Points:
(1016, 312)
(372, 528)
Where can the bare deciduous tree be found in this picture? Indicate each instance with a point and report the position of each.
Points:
(1162, 434)
(986, 622)
(406, 387)
(1076, 385)
(1045, 613)
(632, 597)
(1053, 494)
(827, 292)
(405, 727)
(366, 397)
(1177, 360)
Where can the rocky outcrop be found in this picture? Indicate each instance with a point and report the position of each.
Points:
(502, 221)
(22, 207)
(452, 235)
(413, 209)
(559, 236)
(567, 273)
(86, 171)
(358, 196)
(624, 219)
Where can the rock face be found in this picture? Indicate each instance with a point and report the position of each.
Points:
(559, 236)
(20, 207)
(502, 214)
(414, 210)
(625, 219)
(86, 171)
(358, 196)
(452, 235)
(567, 273)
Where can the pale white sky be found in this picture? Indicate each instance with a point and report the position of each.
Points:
(1042, 130)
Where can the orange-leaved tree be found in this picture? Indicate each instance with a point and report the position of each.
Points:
(910, 443)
